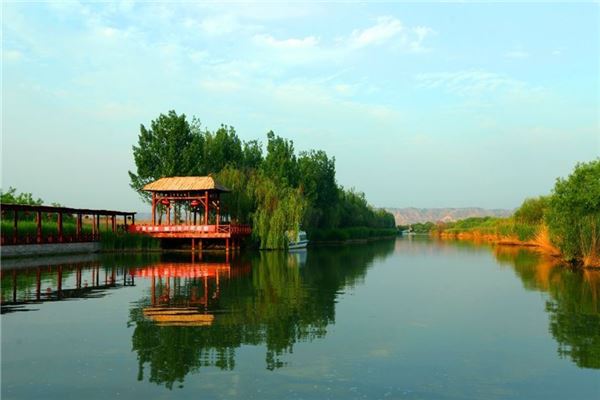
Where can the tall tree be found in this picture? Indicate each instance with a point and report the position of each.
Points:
(281, 164)
(171, 147)
(222, 148)
(317, 181)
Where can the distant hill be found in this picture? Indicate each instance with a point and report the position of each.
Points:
(411, 215)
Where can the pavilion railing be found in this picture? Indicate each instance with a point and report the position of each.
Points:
(226, 228)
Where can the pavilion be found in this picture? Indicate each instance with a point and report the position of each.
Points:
(192, 209)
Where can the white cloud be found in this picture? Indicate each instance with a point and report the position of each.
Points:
(219, 24)
(517, 54)
(385, 29)
(390, 30)
(292, 43)
(470, 82)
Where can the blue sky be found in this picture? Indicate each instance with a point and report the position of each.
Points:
(426, 105)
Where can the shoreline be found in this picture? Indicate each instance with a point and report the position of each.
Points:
(540, 243)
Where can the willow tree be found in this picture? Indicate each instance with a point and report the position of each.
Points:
(278, 213)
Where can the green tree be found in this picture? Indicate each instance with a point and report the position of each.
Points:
(574, 213)
(253, 155)
(170, 147)
(281, 164)
(532, 210)
(317, 182)
(12, 197)
(222, 148)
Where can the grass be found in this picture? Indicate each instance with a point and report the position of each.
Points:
(48, 228)
(123, 241)
(503, 227)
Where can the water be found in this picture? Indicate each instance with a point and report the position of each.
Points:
(404, 319)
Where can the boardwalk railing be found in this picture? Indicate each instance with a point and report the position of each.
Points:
(33, 224)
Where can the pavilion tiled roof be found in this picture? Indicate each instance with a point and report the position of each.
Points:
(185, 184)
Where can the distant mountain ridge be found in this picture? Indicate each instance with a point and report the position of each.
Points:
(412, 215)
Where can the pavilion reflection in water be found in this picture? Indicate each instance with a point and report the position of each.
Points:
(181, 293)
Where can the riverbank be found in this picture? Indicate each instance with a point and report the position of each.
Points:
(537, 237)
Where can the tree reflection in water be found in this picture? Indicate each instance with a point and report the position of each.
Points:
(573, 304)
(274, 299)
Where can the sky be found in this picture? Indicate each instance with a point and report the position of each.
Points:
(422, 104)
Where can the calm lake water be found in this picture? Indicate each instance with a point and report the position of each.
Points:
(399, 319)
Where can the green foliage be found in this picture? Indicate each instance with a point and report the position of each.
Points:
(171, 147)
(532, 210)
(124, 241)
(505, 227)
(574, 212)
(317, 181)
(11, 197)
(281, 164)
(279, 211)
(222, 148)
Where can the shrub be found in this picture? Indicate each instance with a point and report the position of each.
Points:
(573, 215)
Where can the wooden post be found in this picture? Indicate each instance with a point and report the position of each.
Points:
(133, 219)
(97, 222)
(39, 226)
(193, 245)
(153, 208)
(106, 223)
(15, 226)
(78, 227)
(60, 227)
(227, 245)
(206, 207)
(113, 222)
(218, 209)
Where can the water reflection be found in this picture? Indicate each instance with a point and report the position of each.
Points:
(23, 288)
(573, 305)
(198, 316)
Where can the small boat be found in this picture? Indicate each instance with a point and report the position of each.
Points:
(299, 242)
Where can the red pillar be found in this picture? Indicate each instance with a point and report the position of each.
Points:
(15, 227)
(39, 226)
(206, 207)
(153, 208)
(60, 227)
(78, 227)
